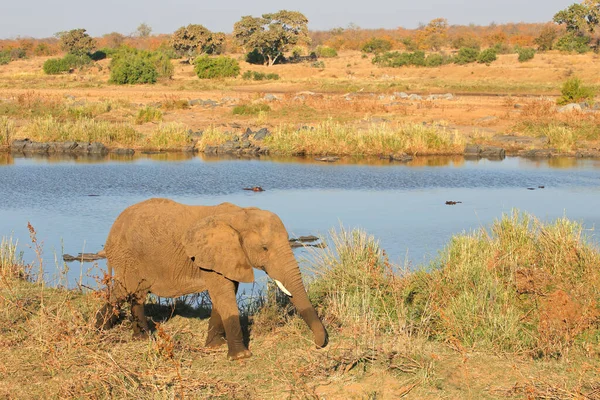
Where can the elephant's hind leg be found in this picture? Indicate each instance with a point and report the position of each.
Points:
(216, 330)
(139, 322)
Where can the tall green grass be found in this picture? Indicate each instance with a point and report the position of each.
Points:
(332, 137)
(7, 131)
(168, 136)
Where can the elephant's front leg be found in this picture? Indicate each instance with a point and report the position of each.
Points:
(216, 330)
(222, 293)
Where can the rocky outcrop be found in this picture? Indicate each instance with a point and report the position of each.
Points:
(27, 146)
(475, 150)
(238, 146)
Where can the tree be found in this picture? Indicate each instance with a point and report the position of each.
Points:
(195, 39)
(272, 34)
(114, 40)
(143, 30)
(580, 18)
(545, 41)
(432, 36)
(76, 41)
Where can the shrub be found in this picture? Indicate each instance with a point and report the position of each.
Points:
(325, 52)
(376, 46)
(217, 67)
(133, 67)
(55, 66)
(42, 49)
(259, 76)
(572, 42)
(487, 56)
(4, 57)
(574, 91)
(148, 114)
(466, 55)
(18, 53)
(525, 54)
(163, 64)
(318, 64)
(250, 109)
(436, 60)
(76, 60)
(396, 59)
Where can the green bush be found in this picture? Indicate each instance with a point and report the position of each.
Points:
(487, 56)
(4, 57)
(76, 60)
(259, 76)
(216, 67)
(318, 65)
(572, 42)
(396, 59)
(133, 67)
(573, 91)
(376, 46)
(55, 66)
(325, 52)
(525, 54)
(436, 60)
(466, 55)
(163, 64)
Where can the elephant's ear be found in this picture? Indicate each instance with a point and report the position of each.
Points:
(214, 245)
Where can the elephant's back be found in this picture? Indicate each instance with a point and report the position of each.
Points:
(140, 226)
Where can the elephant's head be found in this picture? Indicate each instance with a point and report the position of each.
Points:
(234, 243)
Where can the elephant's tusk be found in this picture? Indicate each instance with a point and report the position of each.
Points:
(283, 289)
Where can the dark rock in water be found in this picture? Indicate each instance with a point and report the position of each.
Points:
(401, 157)
(255, 189)
(83, 257)
(148, 152)
(453, 203)
(27, 146)
(296, 245)
(530, 188)
(97, 148)
(538, 153)
(123, 151)
(541, 187)
(588, 153)
(514, 140)
(328, 159)
(484, 151)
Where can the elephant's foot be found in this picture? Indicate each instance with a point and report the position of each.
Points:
(106, 317)
(238, 354)
(215, 341)
(140, 335)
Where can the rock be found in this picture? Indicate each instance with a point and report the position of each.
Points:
(518, 106)
(245, 144)
(123, 151)
(569, 108)
(262, 134)
(484, 151)
(401, 95)
(189, 148)
(271, 97)
(17, 146)
(401, 157)
(195, 102)
(415, 97)
(448, 96)
(453, 203)
(538, 153)
(210, 149)
(235, 125)
(209, 103)
(432, 97)
(97, 148)
(328, 159)
(588, 153)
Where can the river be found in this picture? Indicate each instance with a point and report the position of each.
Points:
(72, 203)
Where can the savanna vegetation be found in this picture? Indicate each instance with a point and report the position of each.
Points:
(501, 313)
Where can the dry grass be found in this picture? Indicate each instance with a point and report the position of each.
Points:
(49, 348)
(382, 139)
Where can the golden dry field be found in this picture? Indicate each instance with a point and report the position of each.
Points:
(350, 93)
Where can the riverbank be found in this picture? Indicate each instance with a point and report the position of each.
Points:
(500, 314)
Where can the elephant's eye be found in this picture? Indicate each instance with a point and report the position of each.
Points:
(265, 248)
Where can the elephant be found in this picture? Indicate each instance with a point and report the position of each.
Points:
(170, 249)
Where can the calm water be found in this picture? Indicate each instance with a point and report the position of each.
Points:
(401, 205)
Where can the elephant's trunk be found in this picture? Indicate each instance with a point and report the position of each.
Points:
(288, 274)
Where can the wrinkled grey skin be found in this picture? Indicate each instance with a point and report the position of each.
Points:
(169, 249)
